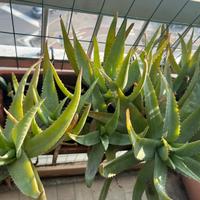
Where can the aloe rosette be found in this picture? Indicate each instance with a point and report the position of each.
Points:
(19, 143)
(164, 144)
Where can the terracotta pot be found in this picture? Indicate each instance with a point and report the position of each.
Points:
(192, 188)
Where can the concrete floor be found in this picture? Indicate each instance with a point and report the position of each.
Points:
(73, 188)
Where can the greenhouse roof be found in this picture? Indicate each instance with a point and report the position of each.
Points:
(26, 24)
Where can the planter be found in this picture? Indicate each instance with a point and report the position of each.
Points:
(192, 188)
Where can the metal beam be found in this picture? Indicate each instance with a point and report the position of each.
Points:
(146, 24)
(44, 28)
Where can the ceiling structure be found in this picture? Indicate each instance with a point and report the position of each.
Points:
(26, 24)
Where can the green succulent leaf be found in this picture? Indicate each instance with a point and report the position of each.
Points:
(82, 60)
(16, 108)
(28, 99)
(59, 108)
(105, 188)
(143, 179)
(79, 126)
(154, 116)
(160, 175)
(188, 149)
(190, 126)
(35, 128)
(49, 92)
(97, 65)
(69, 48)
(88, 139)
(122, 76)
(104, 117)
(118, 165)
(15, 82)
(111, 125)
(110, 37)
(140, 85)
(171, 127)
(40, 185)
(21, 172)
(20, 131)
(95, 157)
(43, 142)
(59, 82)
(176, 68)
(144, 148)
(119, 139)
(190, 87)
(113, 60)
(85, 98)
(186, 168)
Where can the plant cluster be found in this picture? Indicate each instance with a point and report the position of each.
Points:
(146, 101)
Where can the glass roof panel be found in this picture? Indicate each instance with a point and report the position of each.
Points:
(83, 25)
(101, 51)
(7, 47)
(28, 46)
(174, 30)
(150, 30)
(27, 19)
(138, 24)
(54, 29)
(105, 24)
(5, 19)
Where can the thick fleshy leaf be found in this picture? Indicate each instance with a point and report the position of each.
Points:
(190, 126)
(188, 149)
(4, 144)
(139, 87)
(176, 68)
(28, 99)
(20, 131)
(59, 108)
(43, 142)
(137, 118)
(98, 102)
(79, 126)
(171, 127)
(143, 179)
(49, 92)
(95, 157)
(85, 98)
(15, 82)
(113, 60)
(144, 148)
(154, 116)
(110, 37)
(105, 188)
(185, 167)
(122, 76)
(104, 117)
(118, 165)
(160, 175)
(97, 64)
(23, 176)
(88, 139)
(83, 60)
(59, 82)
(40, 185)
(190, 87)
(35, 128)
(16, 108)
(119, 139)
(111, 125)
(69, 48)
